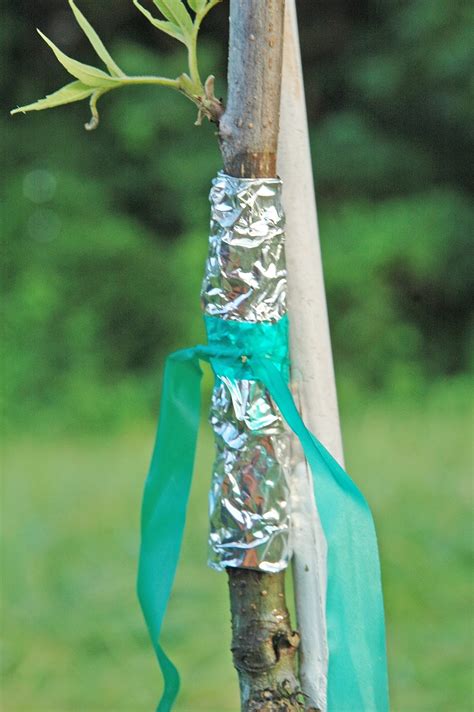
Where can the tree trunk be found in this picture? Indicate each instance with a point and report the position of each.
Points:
(264, 644)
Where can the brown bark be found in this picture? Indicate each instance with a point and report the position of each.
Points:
(249, 127)
(264, 644)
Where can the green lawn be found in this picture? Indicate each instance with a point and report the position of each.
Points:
(74, 635)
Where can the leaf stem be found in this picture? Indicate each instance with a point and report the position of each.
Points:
(201, 15)
(192, 46)
(193, 61)
(163, 81)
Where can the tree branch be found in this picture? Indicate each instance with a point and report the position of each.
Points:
(249, 127)
(264, 644)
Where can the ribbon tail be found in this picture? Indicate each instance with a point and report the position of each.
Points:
(165, 501)
(357, 674)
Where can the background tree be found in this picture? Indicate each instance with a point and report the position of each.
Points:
(387, 87)
(388, 101)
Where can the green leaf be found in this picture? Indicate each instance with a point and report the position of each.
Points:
(182, 17)
(84, 72)
(75, 91)
(95, 41)
(165, 11)
(168, 27)
(197, 5)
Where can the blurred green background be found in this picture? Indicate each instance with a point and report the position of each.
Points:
(104, 238)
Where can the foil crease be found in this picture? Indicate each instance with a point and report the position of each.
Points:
(245, 276)
(245, 280)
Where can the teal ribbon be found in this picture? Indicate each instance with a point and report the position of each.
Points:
(357, 674)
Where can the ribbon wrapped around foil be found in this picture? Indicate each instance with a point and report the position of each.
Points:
(244, 352)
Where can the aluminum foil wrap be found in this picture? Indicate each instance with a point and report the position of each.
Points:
(245, 280)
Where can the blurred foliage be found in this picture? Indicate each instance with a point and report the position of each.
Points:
(76, 639)
(104, 237)
(105, 234)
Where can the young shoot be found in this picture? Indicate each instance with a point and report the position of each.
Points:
(92, 83)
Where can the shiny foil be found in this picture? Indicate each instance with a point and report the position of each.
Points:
(245, 280)
(245, 275)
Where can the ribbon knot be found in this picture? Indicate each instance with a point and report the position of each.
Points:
(243, 342)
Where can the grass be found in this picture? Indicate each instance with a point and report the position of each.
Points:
(75, 640)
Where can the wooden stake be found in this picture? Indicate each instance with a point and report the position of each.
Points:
(312, 366)
(264, 644)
